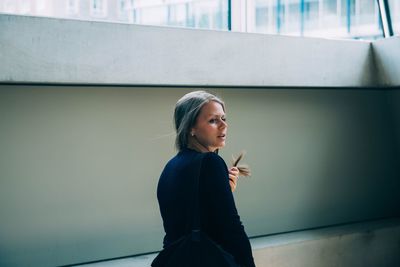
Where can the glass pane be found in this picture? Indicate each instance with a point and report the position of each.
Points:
(354, 19)
(206, 14)
(394, 6)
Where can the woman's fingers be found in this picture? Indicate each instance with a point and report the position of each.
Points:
(234, 171)
(232, 181)
(233, 176)
(232, 185)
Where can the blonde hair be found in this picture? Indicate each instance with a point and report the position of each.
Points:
(186, 112)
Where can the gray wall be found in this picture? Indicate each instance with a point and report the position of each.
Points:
(394, 105)
(386, 58)
(79, 165)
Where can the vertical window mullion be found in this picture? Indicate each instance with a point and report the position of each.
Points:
(384, 15)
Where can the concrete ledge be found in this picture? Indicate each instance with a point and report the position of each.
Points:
(80, 52)
(364, 244)
(375, 243)
(387, 61)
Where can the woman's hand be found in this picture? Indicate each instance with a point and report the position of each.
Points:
(233, 176)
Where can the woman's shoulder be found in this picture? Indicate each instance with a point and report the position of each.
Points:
(215, 174)
(213, 156)
(187, 157)
(213, 160)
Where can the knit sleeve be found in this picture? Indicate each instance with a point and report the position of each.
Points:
(222, 210)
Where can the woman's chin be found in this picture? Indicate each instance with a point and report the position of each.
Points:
(221, 145)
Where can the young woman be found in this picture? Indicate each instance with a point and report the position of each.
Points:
(201, 127)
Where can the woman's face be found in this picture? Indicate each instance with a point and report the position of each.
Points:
(211, 127)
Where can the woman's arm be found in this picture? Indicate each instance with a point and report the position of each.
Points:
(222, 211)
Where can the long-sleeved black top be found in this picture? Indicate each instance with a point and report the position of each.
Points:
(218, 214)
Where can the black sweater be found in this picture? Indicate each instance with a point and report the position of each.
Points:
(218, 217)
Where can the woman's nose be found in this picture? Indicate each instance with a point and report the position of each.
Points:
(224, 124)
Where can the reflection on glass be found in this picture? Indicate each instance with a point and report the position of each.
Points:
(320, 18)
(357, 19)
(206, 14)
(394, 6)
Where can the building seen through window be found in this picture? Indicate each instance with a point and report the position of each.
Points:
(350, 19)
(394, 6)
(317, 18)
(72, 7)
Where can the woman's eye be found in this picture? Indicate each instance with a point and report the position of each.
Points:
(216, 120)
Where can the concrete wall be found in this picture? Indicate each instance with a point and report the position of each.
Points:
(64, 51)
(79, 165)
(359, 245)
(387, 61)
(394, 106)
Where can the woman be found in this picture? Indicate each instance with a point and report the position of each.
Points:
(201, 127)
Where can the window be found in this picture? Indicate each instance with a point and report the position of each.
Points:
(352, 19)
(9, 6)
(98, 8)
(72, 7)
(177, 15)
(206, 14)
(25, 7)
(122, 9)
(394, 7)
(156, 15)
(261, 18)
(320, 18)
(41, 7)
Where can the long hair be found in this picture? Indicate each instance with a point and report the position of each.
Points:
(186, 112)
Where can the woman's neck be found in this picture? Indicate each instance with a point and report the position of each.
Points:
(195, 145)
